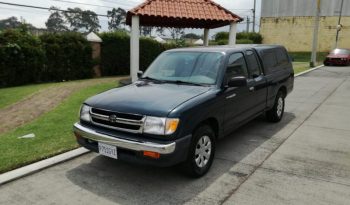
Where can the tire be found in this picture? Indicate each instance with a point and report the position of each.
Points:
(276, 113)
(201, 153)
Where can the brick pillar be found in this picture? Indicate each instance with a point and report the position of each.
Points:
(96, 57)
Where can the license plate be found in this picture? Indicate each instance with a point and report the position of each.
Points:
(108, 150)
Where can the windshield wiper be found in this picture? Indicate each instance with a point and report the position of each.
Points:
(152, 79)
(187, 83)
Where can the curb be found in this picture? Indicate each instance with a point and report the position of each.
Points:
(308, 71)
(38, 166)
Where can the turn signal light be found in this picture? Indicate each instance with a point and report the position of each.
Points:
(154, 155)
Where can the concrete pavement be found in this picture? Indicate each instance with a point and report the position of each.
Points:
(304, 159)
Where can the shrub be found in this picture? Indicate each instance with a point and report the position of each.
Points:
(115, 52)
(68, 57)
(21, 58)
(254, 37)
(244, 41)
(221, 36)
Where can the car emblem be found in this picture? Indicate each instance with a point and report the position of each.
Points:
(113, 118)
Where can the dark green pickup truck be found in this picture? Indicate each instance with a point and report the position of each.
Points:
(185, 101)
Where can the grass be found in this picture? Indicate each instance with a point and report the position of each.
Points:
(53, 132)
(11, 95)
(300, 67)
(306, 56)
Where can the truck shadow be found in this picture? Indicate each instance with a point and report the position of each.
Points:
(126, 183)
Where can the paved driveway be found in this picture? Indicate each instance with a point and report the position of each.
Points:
(305, 159)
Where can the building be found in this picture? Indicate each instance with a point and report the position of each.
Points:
(291, 23)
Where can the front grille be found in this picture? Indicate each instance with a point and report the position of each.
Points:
(116, 120)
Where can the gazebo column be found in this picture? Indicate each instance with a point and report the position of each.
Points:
(206, 37)
(134, 47)
(233, 33)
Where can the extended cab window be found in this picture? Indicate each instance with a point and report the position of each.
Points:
(282, 57)
(236, 66)
(253, 64)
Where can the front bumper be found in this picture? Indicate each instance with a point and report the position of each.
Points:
(131, 147)
(123, 143)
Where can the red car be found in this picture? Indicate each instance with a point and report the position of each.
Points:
(338, 56)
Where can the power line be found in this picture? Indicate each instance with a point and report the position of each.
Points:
(44, 8)
(72, 2)
(87, 4)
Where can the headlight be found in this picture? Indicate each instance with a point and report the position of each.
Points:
(160, 125)
(85, 113)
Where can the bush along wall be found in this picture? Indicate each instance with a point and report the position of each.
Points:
(68, 57)
(26, 59)
(115, 53)
(21, 58)
(242, 38)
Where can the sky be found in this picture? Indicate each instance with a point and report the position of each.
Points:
(38, 17)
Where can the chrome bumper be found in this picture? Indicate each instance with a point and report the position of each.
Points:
(122, 143)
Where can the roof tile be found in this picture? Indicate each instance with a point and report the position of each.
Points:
(156, 11)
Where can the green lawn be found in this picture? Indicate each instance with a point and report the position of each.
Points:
(53, 132)
(300, 67)
(11, 95)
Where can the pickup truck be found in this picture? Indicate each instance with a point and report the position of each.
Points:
(184, 102)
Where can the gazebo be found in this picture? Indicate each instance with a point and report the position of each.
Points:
(204, 14)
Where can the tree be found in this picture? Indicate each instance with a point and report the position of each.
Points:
(191, 36)
(13, 22)
(146, 30)
(117, 18)
(82, 20)
(176, 33)
(221, 36)
(56, 21)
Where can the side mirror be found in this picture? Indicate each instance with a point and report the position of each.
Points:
(239, 81)
(139, 74)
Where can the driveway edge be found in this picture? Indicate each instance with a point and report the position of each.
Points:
(38, 166)
(308, 71)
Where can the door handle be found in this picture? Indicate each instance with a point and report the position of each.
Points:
(231, 96)
(251, 89)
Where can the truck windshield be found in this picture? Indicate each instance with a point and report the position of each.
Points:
(190, 67)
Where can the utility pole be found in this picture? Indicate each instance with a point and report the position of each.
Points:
(339, 25)
(315, 35)
(248, 22)
(254, 12)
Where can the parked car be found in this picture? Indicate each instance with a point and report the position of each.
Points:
(338, 56)
(185, 101)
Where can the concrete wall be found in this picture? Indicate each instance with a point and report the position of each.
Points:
(296, 32)
(279, 8)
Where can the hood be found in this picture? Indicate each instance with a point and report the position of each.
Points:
(146, 98)
(338, 56)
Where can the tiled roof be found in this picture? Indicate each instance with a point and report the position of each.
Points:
(183, 13)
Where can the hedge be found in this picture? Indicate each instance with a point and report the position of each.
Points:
(115, 53)
(68, 57)
(26, 59)
(243, 37)
(21, 58)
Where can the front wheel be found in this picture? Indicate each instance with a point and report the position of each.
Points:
(201, 153)
(277, 111)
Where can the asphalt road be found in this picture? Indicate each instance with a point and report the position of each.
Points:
(305, 159)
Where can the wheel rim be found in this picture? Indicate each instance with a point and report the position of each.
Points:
(279, 106)
(203, 151)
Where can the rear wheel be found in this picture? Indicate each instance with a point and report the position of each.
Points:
(277, 111)
(201, 153)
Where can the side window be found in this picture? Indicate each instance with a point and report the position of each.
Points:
(270, 61)
(236, 66)
(282, 57)
(253, 64)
